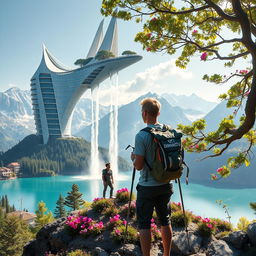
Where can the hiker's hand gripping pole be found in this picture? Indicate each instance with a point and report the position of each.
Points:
(130, 198)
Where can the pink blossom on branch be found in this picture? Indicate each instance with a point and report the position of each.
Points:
(204, 56)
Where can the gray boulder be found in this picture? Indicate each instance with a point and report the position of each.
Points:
(220, 248)
(99, 252)
(251, 232)
(180, 244)
(238, 239)
(130, 250)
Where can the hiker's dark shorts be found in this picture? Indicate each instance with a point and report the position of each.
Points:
(149, 197)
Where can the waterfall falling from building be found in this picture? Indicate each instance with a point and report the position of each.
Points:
(113, 124)
(95, 162)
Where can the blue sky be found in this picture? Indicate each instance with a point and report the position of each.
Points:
(67, 29)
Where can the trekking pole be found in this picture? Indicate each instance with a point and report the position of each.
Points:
(130, 198)
(183, 209)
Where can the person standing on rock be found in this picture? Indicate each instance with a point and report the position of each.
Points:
(150, 193)
(107, 178)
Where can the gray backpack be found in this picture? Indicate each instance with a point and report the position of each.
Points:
(169, 155)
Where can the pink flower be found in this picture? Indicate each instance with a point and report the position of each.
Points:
(214, 177)
(243, 71)
(154, 19)
(124, 222)
(194, 31)
(117, 231)
(196, 146)
(219, 170)
(152, 220)
(209, 226)
(204, 56)
(148, 49)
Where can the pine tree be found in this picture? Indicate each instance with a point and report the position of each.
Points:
(74, 198)
(42, 218)
(7, 205)
(60, 210)
(2, 214)
(253, 206)
(14, 234)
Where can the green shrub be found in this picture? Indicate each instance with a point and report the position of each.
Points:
(102, 55)
(110, 211)
(175, 207)
(196, 218)
(122, 195)
(83, 212)
(178, 220)
(220, 235)
(128, 52)
(78, 253)
(243, 224)
(221, 225)
(206, 228)
(118, 234)
(100, 204)
(115, 221)
(124, 209)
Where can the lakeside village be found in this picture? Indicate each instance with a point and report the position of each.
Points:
(11, 171)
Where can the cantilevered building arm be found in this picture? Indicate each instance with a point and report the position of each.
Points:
(55, 90)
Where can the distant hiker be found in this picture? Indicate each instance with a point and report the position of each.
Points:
(107, 178)
(150, 192)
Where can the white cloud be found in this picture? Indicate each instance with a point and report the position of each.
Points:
(152, 79)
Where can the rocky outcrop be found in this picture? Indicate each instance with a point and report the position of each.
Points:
(251, 232)
(54, 237)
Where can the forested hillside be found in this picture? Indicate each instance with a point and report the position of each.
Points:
(63, 156)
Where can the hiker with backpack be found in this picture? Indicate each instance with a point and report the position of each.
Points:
(158, 157)
(108, 180)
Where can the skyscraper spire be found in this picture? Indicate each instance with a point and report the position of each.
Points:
(96, 41)
(111, 37)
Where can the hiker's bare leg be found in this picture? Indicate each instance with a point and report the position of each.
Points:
(166, 232)
(145, 241)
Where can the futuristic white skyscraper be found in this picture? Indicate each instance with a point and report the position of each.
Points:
(55, 90)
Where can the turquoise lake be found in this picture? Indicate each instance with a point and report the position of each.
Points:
(197, 198)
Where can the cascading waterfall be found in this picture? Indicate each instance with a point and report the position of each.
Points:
(113, 125)
(95, 163)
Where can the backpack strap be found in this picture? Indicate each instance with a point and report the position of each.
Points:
(148, 130)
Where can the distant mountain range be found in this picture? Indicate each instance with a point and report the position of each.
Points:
(16, 122)
(16, 116)
(243, 177)
(130, 122)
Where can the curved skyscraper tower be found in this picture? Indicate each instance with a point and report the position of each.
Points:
(55, 89)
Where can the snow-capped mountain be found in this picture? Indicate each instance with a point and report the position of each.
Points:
(17, 120)
(193, 106)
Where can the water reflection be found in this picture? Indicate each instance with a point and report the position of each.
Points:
(199, 199)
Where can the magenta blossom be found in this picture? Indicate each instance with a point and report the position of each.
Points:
(204, 56)
(219, 170)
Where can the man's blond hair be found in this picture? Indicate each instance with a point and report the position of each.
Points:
(151, 105)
